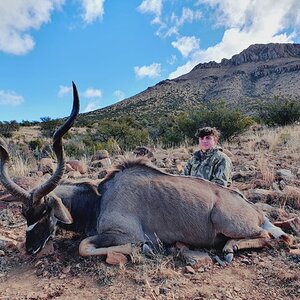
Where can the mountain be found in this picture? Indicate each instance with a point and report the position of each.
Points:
(258, 73)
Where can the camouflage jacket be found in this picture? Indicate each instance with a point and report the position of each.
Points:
(213, 165)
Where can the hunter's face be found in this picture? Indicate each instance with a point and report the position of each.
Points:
(207, 142)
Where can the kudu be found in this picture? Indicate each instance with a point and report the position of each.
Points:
(137, 203)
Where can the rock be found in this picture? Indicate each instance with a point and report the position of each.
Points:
(46, 165)
(27, 183)
(2, 253)
(100, 154)
(47, 250)
(79, 166)
(285, 174)
(6, 243)
(256, 195)
(69, 168)
(242, 176)
(294, 252)
(102, 163)
(74, 174)
(116, 258)
(66, 269)
(189, 269)
(196, 259)
(264, 207)
(143, 151)
(293, 194)
(291, 224)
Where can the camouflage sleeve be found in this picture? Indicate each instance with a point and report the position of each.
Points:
(222, 172)
(187, 168)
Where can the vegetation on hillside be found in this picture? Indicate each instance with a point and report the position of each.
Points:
(119, 134)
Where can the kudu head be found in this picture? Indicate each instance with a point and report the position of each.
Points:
(41, 207)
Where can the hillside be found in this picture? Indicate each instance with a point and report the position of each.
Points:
(260, 72)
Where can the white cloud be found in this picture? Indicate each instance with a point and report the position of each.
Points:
(64, 90)
(93, 105)
(172, 59)
(18, 17)
(153, 7)
(10, 98)
(176, 22)
(246, 22)
(119, 95)
(148, 71)
(92, 9)
(92, 93)
(186, 45)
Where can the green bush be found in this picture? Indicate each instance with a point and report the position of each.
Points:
(230, 122)
(7, 128)
(111, 146)
(75, 149)
(279, 112)
(126, 132)
(36, 144)
(48, 126)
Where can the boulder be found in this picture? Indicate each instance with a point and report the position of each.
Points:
(100, 154)
(78, 165)
(46, 165)
(102, 163)
(285, 174)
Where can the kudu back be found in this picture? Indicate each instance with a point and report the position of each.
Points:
(137, 203)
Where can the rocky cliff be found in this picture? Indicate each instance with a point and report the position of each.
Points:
(258, 73)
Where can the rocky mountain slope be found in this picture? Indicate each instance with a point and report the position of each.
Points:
(258, 73)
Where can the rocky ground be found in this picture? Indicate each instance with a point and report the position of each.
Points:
(266, 169)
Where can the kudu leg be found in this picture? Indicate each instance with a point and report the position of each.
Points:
(261, 241)
(87, 248)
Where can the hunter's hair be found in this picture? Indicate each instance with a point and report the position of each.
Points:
(204, 131)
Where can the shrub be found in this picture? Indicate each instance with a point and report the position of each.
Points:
(48, 126)
(7, 128)
(75, 149)
(230, 122)
(279, 112)
(36, 144)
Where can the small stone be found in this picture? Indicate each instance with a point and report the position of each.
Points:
(38, 263)
(246, 261)
(196, 259)
(47, 250)
(66, 270)
(189, 269)
(116, 258)
(163, 290)
(294, 252)
(2, 253)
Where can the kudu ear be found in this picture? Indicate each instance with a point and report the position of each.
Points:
(59, 209)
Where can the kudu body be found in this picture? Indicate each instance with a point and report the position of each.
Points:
(139, 204)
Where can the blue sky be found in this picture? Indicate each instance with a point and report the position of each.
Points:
(114, 49)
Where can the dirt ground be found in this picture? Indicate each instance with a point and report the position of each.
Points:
(264, 274)
(60, 273)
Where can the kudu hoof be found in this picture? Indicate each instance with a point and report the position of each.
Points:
(147, 250)
(228, 257)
